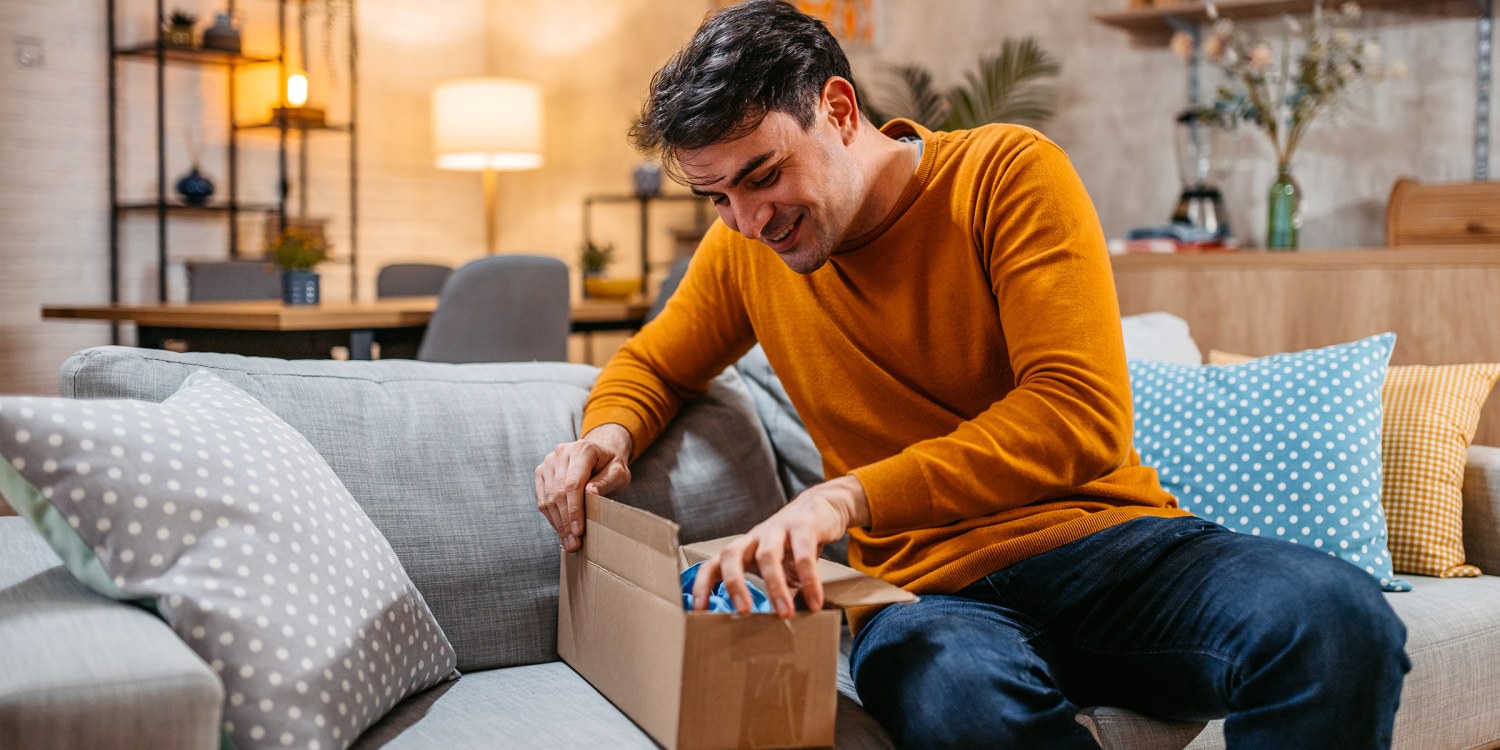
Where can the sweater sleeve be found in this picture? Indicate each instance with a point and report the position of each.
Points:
(702, 329)
(1067, 421)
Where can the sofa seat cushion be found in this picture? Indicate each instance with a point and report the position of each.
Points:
(1453, 638)
(442, 459)
(543, 706)
(81, 670)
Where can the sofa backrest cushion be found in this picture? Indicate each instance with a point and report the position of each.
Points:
(442, 457)
(1159, 337)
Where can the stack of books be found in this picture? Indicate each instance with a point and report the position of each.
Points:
(1173, 238)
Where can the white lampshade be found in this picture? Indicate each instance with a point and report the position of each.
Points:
(487, 122)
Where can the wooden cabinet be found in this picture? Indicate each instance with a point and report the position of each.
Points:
(1462, 213)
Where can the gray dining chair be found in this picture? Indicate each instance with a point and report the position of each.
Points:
(411, 280)
(232, 280)
(506, 308)
(668, 286)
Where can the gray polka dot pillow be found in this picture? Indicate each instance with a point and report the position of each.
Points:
(1286, 447)
(214, 512)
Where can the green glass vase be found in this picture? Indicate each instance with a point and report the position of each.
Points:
(1283, 210)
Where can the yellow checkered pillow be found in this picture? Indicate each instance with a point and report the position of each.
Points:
(1431, 414)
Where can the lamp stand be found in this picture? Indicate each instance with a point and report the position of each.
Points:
(491, 232)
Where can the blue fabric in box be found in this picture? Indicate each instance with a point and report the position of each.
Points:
(1286, 446)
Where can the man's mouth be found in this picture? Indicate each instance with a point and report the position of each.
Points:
(785, 233)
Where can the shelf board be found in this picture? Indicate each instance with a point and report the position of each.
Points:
(1155, 21)
(212, 209)
(273, 125)
(633, 198)
(191, 55)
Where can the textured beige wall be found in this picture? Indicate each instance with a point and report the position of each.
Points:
(54, 230)
(594, 59)
(1118, 100)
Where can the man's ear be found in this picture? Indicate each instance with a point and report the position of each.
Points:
(841, 107)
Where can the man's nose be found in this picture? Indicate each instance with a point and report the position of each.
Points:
(751, 218)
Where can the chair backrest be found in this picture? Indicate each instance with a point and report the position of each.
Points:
(507, 308)
(411, 280)
(1458, 213)
(668, 286)
(232, 280)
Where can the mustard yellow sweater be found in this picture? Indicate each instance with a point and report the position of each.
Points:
(963, 359)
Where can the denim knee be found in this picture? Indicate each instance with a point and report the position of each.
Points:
(950, 672)
(1334, 624)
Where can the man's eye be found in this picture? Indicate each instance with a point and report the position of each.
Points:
(768, 180)
(719, 200)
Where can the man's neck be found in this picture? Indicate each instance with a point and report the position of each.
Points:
(888, 167)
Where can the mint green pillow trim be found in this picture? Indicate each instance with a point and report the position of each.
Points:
(76, 555)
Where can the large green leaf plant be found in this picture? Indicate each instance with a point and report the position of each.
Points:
(1008, 86)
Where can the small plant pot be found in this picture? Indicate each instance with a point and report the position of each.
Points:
(299, 287)
(179, 36)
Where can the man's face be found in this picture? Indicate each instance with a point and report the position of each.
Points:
(795, 190)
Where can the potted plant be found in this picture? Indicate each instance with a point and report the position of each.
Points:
(179, 31)
(1280, 92)
(594, 259)
(297, 251)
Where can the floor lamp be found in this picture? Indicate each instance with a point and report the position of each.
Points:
(487, 125)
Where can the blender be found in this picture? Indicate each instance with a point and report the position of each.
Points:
(1200, 163)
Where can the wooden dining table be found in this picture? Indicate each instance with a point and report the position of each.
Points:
(267, 328)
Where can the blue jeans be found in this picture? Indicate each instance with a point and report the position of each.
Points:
(1177, 618)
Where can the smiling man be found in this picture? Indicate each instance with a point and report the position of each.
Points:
(941, 311)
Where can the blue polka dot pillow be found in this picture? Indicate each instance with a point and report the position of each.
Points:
(211, 510)
(1286, 446)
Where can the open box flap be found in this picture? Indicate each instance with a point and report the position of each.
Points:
(633, 544)
(843, 586)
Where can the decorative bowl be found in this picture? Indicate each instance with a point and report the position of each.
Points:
(613, 289)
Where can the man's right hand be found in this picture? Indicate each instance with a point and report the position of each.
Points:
(596, 463)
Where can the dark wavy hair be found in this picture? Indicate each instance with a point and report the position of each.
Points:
(744, 62)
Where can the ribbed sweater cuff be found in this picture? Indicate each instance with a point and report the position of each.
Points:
(633, 424)
(897, 494)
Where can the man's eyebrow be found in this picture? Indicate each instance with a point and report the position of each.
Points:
(744, 171)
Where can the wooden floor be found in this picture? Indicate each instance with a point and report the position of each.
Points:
(1442, 303)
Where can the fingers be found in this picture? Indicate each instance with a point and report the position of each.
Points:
(559, 481)
(557, 495)
(614, 476)
(732, 569)
(707, 574)
(768, 559)
(579, 470)
(544, 502)
(805, 560)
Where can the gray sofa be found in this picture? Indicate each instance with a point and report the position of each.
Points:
(440, 457)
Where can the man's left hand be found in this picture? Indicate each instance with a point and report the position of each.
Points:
(784, 548)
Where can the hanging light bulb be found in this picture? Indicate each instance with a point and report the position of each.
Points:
(296, 90)
(294, 111)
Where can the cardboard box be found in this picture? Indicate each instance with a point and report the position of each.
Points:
(698, 679)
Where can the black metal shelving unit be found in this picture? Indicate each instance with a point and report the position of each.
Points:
(161, 54)
(643, 221)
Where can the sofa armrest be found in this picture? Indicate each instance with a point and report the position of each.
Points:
(1482, 508)
(81, 670)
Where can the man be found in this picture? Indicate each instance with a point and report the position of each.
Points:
(941, 310)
